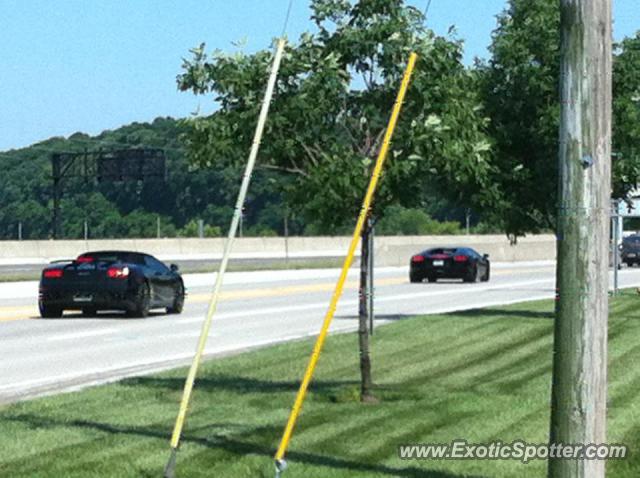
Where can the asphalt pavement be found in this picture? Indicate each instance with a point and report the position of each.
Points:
(41, 356)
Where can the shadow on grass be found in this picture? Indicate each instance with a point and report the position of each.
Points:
(378, 317)
(235, 384)
(471, 313)
(240, 447)
(513, 313)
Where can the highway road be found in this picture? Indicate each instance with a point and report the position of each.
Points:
(258, 308)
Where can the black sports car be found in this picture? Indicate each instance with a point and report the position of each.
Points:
(449, 263)
(110, 280)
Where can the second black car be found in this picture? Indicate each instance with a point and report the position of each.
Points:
(449, 263)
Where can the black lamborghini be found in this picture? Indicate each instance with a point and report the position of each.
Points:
(449, 263)
(110, 280)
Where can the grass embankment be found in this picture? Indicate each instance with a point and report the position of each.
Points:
(480, 375)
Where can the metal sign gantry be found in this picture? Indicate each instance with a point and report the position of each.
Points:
(132, 164)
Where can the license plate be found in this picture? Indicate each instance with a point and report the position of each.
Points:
(83, 298)
(438, 263)
(631, 255)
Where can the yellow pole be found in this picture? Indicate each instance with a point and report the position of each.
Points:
(213, 304)
(295, 411)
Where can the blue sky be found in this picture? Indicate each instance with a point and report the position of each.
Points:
(89, 65)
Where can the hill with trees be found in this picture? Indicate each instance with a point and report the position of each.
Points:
(191, 193)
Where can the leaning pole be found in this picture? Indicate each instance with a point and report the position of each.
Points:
(279, 458)
(579, 394)
(169, 471)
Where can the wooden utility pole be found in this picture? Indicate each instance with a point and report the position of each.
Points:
(578, 402)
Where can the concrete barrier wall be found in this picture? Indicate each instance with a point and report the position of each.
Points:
(390, 250)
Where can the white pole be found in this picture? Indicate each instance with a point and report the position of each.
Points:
(188, 387)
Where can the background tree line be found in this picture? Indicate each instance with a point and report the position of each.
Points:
(127, 209)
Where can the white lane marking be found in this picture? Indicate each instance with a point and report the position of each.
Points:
(80, 335)
(466, 288)
(305, 307)
(387, 298)
(261, 311)
(29, 289)
(320, 305)
(152, 366)
(144, 364)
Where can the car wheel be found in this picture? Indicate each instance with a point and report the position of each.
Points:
(432, 278)
(487, 274)
(178, 302)
(142, 302)
(50, 312)
(472, 275)
(89, 311)
(415, 278)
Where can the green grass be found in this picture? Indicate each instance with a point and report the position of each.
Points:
(479, 375)
(271, 265)
(19, 276)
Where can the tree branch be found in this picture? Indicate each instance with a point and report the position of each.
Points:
(282, 169)
(309, 152)
(376, 143)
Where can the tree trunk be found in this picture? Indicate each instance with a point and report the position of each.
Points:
(366, 394)
(578, 398)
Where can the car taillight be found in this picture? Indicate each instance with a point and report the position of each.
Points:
(417, 259)
(118, 272)
(53, 273)
(84, 259)
(460, 258)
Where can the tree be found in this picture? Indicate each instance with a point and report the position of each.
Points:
(521, 97)
(399, 220)
(626, 116)
(335, 90)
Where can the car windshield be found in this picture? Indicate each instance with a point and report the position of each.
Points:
(442, 250)
(632, 241)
